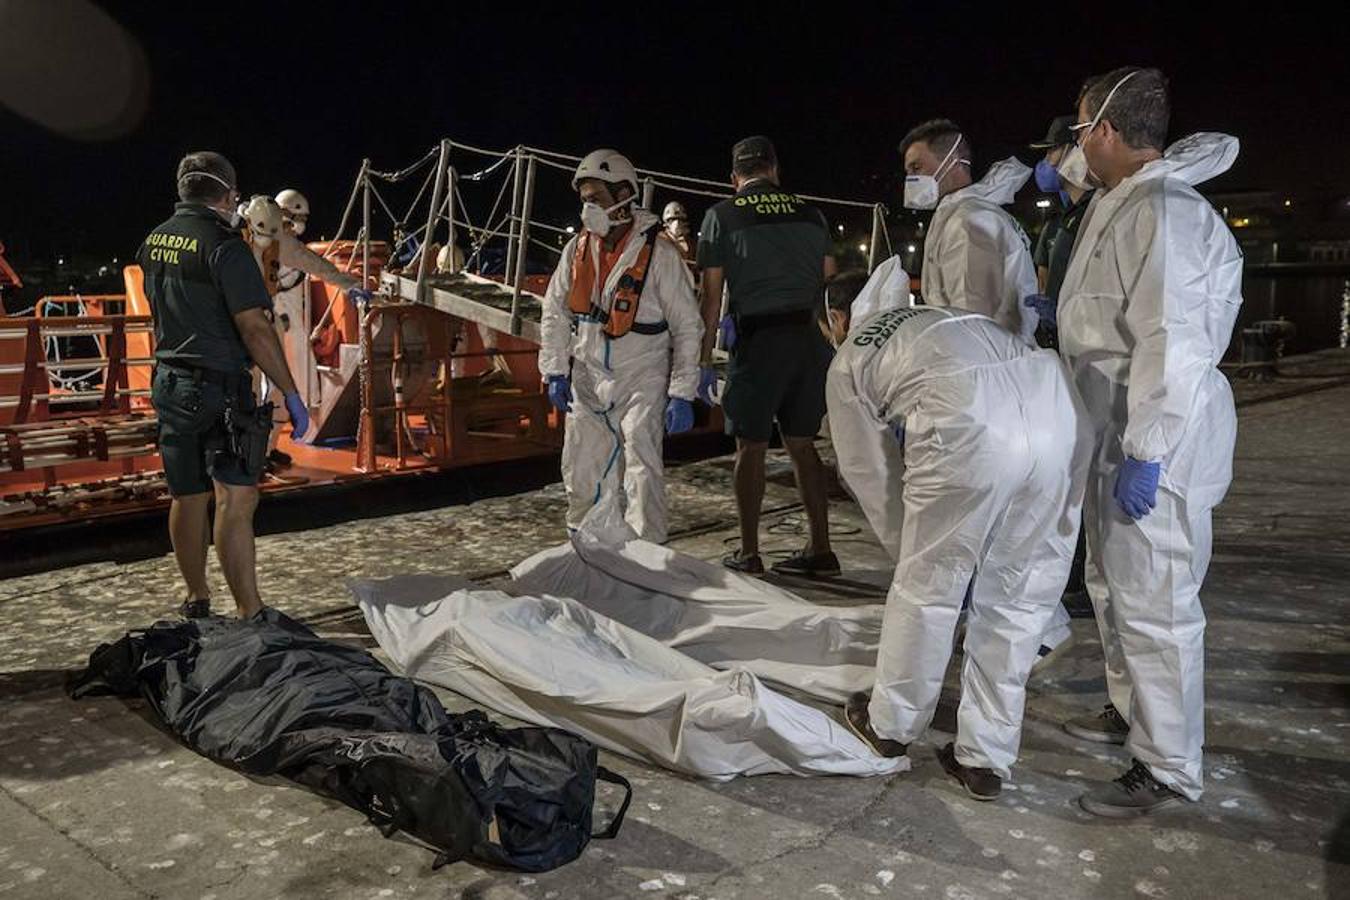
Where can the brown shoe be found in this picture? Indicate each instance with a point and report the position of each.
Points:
(859, 721)
(982, 784)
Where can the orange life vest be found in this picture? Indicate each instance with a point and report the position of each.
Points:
(269, 261)
(582, 298)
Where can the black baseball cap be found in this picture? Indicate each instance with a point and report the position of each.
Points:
(756, 148)
(1060, 133)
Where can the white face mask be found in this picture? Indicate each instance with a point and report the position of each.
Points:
(296, 226)
(595, 218)
(1074, 167)
(921, 191)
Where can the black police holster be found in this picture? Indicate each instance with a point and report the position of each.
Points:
(248, 433)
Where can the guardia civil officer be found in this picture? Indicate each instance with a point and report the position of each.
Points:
(211, 319)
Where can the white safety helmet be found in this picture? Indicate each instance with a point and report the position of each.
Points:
(294, 209)
(263, 217)
(674, 210)
(609, 166)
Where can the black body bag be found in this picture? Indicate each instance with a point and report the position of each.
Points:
(268, 696)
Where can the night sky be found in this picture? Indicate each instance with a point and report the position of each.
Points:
(297, 93)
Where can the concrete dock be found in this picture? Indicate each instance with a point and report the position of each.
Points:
(96, 800)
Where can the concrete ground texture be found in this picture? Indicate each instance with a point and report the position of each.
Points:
(97, 801)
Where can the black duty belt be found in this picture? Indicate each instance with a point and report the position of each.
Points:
(748, 324)
(208, 376)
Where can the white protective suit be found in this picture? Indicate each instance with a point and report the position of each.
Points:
(1145, 315)
(988, 485)
(551, 661)
(620, 386)
(977, 258)
(290, 310)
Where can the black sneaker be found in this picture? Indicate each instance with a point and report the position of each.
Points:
(1136, 793)
(859, 722)
(982, 784)
(1106, 727)
(813, 566)
(195, 609)
(750, 565)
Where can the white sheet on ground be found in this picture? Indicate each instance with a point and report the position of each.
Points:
(715, 615)
(708, 612)
(551, 661)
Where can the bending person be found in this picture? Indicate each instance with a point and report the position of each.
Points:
(965, 449)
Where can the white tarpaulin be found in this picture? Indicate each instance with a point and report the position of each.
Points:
(715, 615)
(551, 661)
(708, 612)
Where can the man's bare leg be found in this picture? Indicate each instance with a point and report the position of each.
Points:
(234, 544)
(749, 483)
(190, 534)
(811, 484)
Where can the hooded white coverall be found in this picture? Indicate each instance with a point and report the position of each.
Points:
(1145, 315)
(977, 258)
(620, 385)
(988, 484)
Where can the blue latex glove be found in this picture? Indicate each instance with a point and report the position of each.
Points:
(728, 328)
(299, 413)
(707, 380)
(359, 296)
(679, 416)
(560, 392)
(1045, 307)
(1137, 487)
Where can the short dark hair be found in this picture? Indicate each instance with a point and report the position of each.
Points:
(843, 289)
(939, 135)
(1140, 109)
(195, 181)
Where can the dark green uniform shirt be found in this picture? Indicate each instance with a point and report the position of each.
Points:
(198, 274)
(771, 247)
(1055, 246)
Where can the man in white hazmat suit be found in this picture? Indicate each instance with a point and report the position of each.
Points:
(967, 452)
(620, 345)
(975, 255)
(1145, 314)
(285, 277)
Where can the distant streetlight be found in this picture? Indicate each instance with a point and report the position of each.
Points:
(911, 248)
(841, 228)
(1288, 203)
(571, 230)
(862, 248)
(1042, 204)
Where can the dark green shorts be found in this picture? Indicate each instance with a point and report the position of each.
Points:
(777, 373)
(194, 440)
